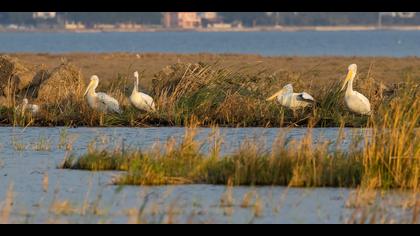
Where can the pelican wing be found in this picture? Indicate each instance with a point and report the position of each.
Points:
(305, 97)
(358, 103)
(142, 101)
(109, 102)
(149, 101)
(362, 97)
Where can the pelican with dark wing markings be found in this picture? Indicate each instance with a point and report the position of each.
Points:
(101, 102)
(25, 107)
(287, 98)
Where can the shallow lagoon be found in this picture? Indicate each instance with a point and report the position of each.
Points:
(43, 193)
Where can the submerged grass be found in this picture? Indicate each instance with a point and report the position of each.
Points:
(360, 207)
(387, 158)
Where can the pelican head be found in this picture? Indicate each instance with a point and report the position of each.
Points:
(94, 81)
(351, 74)
(94, 78)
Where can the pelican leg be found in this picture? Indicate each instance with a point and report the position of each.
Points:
(101, 119)
(294, 114)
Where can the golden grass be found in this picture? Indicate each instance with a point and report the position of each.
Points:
(216, 92)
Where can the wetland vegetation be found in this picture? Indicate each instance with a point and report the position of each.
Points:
(206, 92)
(210, 87)
(388, 157)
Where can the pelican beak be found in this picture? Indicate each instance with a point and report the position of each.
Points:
(349, 75)
(274, 95)
(88, 88)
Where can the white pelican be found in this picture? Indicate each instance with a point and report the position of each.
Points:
(286, 97)
(354, 100)
(30, 108)
(100, 101)
(141, 100)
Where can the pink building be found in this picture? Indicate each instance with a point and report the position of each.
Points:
(185, 20)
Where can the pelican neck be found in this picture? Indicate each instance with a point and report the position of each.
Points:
(92, 92)
(350, 85)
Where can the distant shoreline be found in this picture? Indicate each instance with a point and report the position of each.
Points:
(243, 29)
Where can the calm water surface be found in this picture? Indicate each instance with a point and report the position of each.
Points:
(24, 168)
(305, 43)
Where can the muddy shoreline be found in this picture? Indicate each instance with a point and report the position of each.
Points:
(316, 70)
(222, 29)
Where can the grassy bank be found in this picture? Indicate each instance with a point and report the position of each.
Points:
(388, 158)
(218, 91)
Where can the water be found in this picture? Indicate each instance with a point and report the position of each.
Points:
(89, 197)
(144, 138)
(304, 43)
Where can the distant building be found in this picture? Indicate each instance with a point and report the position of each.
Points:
(208, 15)
(44, 15)
(74, 26)
(185, 20)
(220, 26)
(129, 26)
(104, 26)
(169, 19)
(47, 20)
(210, 19)
(399, 14)
(406, 14)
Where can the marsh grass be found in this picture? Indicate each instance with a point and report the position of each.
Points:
(221, 96)
(290, 164)
(392, 156)
(18, 145)
(212, 93)
(43, 144)
(22, 119)
(387, 158)
(377, 207)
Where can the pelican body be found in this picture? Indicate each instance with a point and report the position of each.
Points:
(287, 98)
(140, 100)
(355, 101)
(100, 101)
(30, 108)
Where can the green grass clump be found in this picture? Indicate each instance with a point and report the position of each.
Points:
(185, 163)
(97, 161)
